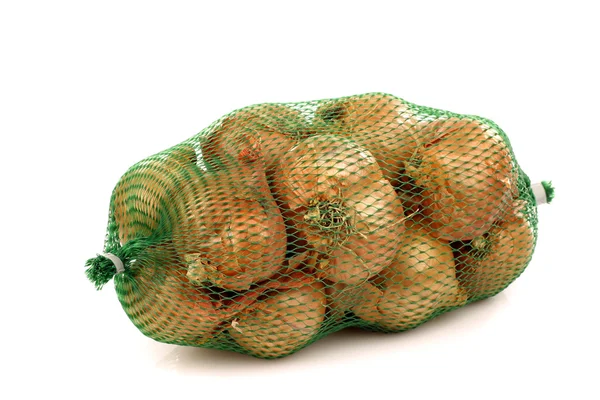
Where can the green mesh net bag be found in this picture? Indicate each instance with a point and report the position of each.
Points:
(282, 223)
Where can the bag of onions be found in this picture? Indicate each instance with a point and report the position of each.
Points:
(282, 223)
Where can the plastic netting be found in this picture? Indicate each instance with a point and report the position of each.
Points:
(282, 223)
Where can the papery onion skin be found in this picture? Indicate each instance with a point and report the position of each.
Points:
(508, 247)
(281, 323)
(466, 176)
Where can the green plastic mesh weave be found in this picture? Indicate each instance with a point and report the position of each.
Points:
(282, 223)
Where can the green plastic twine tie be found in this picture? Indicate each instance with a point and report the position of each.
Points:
(549, 189)
(543, 192)
(115, 260)
(103, 268)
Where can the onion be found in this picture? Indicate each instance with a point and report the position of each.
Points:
(282, 321)
(270, 129)
(164, 305)
(465, 176)
(344, 207)
(494, 260)
(381, 123)
(266, 131)
(156, 295)
(342, 297)
(142, 202)
(225, 224)
(234, 234)
(420, 281)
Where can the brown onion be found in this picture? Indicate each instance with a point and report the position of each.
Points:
(282, 321)
(497, 258)
(165, 306)
(142, 202)
(234, 233)
(465, 176)
(266, 131)
(420, 281)
(381, 123)
(224, 224)
(344, 207)
(270, 129)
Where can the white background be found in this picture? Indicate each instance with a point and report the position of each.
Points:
(89, 88)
